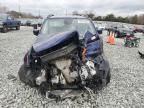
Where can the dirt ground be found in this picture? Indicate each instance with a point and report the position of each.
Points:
(126, 89)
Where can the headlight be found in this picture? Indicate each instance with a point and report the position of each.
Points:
(93, 37)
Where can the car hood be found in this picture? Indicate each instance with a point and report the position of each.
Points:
(45, 43)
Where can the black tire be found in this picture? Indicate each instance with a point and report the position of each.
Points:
(103, 71)
(108, 78)
(116, 35)
(17, 27)
(4, 29)
(25, 76)
(129, 43)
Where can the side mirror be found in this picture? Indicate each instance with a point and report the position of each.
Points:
(35, 30)
(99, 31)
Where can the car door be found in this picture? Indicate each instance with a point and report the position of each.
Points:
(13, 21)
(10, 21)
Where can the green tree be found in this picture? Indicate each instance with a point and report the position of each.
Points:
(99, 18)
(109, 17)
(134, 19)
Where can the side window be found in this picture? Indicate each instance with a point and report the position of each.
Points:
(10, 18)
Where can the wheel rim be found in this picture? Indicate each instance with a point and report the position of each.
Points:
(4, 29)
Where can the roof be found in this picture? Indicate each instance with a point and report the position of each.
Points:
(72, 16)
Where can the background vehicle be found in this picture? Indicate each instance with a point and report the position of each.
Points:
(23, 22)
(139, 30)
(28, 23)
(99, 27)
(7, 21)
(122, 31)
(68, 53)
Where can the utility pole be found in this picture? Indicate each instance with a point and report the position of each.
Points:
(66, 12)
(19, 8)
(39, 13)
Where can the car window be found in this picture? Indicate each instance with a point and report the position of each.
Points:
(9, 18)
(2, 17)
(57, 25)
(54, 26)
(85, 25)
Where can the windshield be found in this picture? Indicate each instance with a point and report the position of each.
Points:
(57, 25)
(3, 17)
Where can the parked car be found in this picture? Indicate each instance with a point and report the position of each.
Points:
(7, 21)
(37, 22)
(40, 21)
(68, 53)
(98, 27)
(33, 22)
(139, 30)
(28, 23)
(122, 31)
(23, 22)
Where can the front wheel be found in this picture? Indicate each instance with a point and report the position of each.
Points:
(25, 75)
(17, 27)
(4, 29)
(108, 77)
(103, 71)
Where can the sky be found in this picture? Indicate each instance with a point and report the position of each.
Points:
(61, 7)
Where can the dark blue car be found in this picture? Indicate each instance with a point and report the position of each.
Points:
(59, 24)
(68, 53)
(7, 21)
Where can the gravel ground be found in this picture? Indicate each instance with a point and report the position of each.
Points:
(126, 89)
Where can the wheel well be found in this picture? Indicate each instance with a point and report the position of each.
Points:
(4, 24)
(18, 24)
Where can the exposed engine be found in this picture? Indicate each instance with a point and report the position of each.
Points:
(65, 71)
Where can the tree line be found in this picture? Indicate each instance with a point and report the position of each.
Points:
(22, 15)
(16, 14)
(135, 19)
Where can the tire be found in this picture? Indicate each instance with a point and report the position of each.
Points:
(116, 35)
(17, 27)
(103, 71)
(130, 45)
(4, 29)
(108, 78)
(25, 75)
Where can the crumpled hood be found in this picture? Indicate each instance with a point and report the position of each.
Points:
(45, 44)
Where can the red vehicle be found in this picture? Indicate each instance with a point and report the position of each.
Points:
(139, 30)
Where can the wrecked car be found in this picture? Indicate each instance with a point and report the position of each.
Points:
(67, 54)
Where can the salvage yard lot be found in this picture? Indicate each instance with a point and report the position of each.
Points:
(126, 88)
